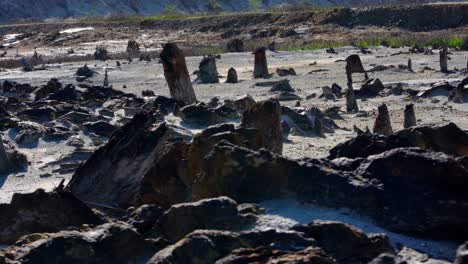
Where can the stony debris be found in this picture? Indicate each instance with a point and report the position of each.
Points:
(40, 212)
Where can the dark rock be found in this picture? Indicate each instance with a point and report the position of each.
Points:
(438, 89)
(285, 72)
(288, 96)
(147, 93)
(10, 159)
(38, 114)
(114, 173)
(346, 243)
(200, 114)
(217, 213)
(269, 255)
(43, 212)
(370, 88)
(101, 54)
(52, 86)
(100, 128)
(266, 117)
(443, 138)
(282, 86)
(133, 49)
(85, 71)
(108, 243)
(409, 116)
(67, 93)
(145, 217)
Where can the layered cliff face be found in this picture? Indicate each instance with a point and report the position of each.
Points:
(43, 9)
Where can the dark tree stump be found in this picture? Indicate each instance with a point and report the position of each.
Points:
(177, 75)
(261, 66)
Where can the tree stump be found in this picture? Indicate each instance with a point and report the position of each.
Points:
(106, 79)
(410, 117)
(382, 124)
(133, 49)
(266, 117)
(177, 75)
(410, 65)
(101, 54)
(354, 65)
(208, 73)
(351, 102)
(443, 54)
(235, 45)
(261, 66)
(232, 76)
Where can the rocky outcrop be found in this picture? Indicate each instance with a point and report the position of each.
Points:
(216, 213)
(10, 159)
(40, 211)
(108, 243)
(447, 138)
(346, 243)
(113, 174)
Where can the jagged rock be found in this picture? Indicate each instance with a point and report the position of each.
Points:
(410, 117)
(327, 93)
(282, 86)
(133, 49)
(10, 159)
(208, 246)
(438, 89)
(336, 90)
(235, 45)
(85, 71)
(108, 243)
(43, 212)
(446, 138)
(288, 96)
(113, 174)
(208, 72)
(306, 123)
(346, 243)
(100, 54)
(100, 128)
(52, 86)
(382, 124)
(410, 256)
(269, 256)
(39, 114)
(145, 217)
(147, 93)
(370, 88)
(200, 114)
(261, 66)
(216, 213)
(285, 72)
(243, 103)
(232, 76)
(176, 73)
(266, 117)
(67, 93)
(462, 254)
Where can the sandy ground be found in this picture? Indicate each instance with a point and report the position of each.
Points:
(314, 68)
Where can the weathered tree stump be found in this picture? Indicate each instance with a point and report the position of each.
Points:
(410, 117)
(266, 117)
(133, 49)
(382, 123)
(27, 67)
(354, 65)
(410, 65)
(208, 73)
(351, 102)
(443, 54)
(176, 73)
(232, 76)
(261, 66)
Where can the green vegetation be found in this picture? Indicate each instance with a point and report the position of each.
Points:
(254, 5)
(213, 6)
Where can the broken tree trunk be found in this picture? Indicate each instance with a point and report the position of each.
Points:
(177, 75)
(232, 76)
(410, 117)
(351, 102)
(410, 65)
(106, 79)
(382, 123)
(261, 66)
(133, 49)
(443, 54)
(354, 65)
(208, 73)
(266, 117)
